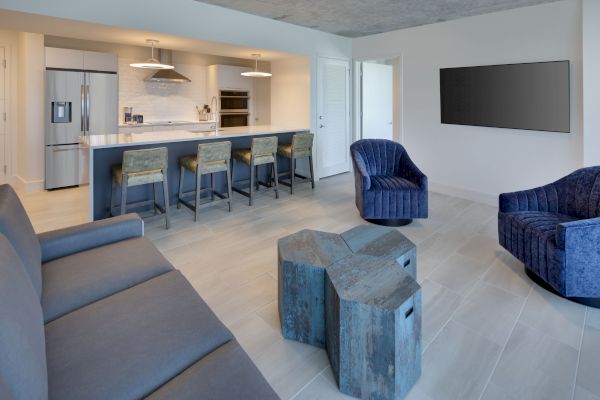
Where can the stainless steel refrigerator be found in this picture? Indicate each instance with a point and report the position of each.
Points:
(78, 104)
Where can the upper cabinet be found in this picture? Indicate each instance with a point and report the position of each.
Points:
(228, 77)
(81, 60)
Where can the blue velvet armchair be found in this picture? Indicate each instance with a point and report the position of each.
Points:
(390, 189)
(555, 231)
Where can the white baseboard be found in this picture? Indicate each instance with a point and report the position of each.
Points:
(479, 197)
(25, 186)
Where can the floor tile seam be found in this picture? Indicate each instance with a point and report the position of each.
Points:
(309, 383)
(503, 349)
(579, 353)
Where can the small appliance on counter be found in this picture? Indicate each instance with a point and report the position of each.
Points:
(127, 114)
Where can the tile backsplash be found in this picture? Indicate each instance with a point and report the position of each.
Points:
(162, 101)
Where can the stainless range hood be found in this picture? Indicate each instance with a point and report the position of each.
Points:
(167, 75)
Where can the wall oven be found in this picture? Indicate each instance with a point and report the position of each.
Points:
(234, 110)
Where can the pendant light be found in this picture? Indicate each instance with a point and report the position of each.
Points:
(151, 63)
(256, 73)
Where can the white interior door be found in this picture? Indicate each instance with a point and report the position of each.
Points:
(3, 101)
(377, 101)
(333, 125)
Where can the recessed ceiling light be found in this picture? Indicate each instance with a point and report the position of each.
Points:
(151, 63)
(256, 73)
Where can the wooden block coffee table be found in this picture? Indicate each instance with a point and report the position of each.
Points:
(356, 295)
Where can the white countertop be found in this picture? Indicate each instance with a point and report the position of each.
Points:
(158, 137)
(164, 123)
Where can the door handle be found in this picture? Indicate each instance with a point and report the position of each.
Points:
(88, 107)
(82, 108)
(321, 126)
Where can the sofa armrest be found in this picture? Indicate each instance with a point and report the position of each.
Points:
(537, 199)
(63, 242)
(409, 171)
(360, 171)
(580, 241)
(574, 234)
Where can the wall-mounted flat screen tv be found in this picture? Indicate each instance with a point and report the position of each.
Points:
(534, 96)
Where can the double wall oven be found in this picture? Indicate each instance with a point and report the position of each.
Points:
(235, 109)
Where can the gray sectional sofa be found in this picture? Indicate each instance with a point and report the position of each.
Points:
(96, 312)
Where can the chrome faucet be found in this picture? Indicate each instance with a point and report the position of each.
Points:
(213, 111)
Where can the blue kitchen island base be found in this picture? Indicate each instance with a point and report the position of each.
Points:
(107, 151)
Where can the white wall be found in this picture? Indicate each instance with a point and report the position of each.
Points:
(30, 133)
(291, 92)
(476, 162)
(591, 76)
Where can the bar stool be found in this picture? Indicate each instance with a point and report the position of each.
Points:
(141, 167)
(209, 159)
(300, 147)
(262, 152)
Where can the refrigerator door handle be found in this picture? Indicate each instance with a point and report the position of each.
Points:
(83, 108)
(87, 108)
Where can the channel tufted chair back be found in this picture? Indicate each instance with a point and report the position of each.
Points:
(576, 195)
(381, 157)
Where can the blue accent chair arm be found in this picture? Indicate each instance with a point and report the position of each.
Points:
(538, 199)
(575, 234)
(411, 172)
(63, 242)
(360, 169)
(579, 240)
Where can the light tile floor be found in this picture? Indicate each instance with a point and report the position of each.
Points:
(488, 332)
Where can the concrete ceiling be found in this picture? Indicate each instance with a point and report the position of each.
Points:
(355, 18)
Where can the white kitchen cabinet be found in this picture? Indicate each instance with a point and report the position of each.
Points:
(64, 58)
(96, 61)
(80, 60)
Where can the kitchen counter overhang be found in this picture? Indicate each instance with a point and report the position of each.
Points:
(107, 150)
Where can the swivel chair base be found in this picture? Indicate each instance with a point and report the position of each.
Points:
(593, 302)
(390, 221)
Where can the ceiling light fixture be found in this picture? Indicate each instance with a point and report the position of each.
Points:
(151, 63)
(256, 73)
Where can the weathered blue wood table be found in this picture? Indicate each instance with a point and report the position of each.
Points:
(356, 295)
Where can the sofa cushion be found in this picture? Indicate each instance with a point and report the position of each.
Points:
(226, 373)
(77, 280)
(16, 226)
(129, 344)
(22, 350)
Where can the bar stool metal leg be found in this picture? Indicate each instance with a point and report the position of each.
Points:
(165, 184)
(292, 173)
(112, 197)
(124, 194)
(181, 180)
(229, 183)
(312, 174)
(198, 187)
(213, 186)
(276, 177)
(252, 177)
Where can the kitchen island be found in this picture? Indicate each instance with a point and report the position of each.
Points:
(107, 150)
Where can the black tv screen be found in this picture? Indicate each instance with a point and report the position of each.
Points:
(534, 96)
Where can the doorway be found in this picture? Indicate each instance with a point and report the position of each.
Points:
(379, 99)
(333, 117)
